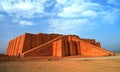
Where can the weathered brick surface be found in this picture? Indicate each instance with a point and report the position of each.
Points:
(15, 47)
(57, 48)
(21, 44)
(27, 42)
(98, 44)
(44, 51)
(11, 48)
(91, 50)
(92, 41)
(54, 45)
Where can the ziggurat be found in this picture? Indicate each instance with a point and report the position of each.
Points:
(57, 45)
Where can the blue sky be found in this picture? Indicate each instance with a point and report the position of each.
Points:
(98, 19)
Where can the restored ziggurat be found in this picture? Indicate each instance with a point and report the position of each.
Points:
(57, 45)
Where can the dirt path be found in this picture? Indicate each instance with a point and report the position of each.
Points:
(95, 58)
(101, 64)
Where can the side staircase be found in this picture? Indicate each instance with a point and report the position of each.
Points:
(41, 46)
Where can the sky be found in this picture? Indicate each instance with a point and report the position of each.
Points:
(96, 19)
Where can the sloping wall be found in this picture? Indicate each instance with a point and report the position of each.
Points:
(91, 50)
(15, 46)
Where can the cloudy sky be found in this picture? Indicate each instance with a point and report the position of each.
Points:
(98, 19)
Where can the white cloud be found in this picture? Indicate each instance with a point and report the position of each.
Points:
(24, 8)
(73, 11)
(89, 13)
(110, 17)
(76, 8)
(22, 22)
(25, 23)
(88, 9)
(62, 1)
(77, 15)
(67, 26)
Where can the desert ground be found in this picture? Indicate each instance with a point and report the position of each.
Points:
(91, 64)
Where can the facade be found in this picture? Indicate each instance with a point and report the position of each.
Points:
(30, 45)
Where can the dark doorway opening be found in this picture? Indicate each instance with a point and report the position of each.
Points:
(68, 44)
(76, 48)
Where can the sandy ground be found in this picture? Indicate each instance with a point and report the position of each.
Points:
(99, 64)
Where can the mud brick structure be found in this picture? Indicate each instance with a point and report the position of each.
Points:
(30, 45)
